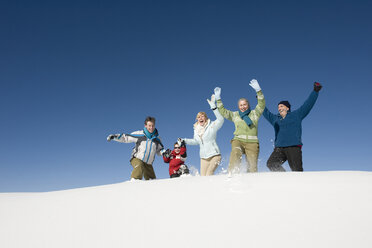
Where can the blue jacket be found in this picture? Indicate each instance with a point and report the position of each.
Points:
(288, 130)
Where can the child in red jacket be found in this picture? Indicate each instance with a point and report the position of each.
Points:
(176, 159)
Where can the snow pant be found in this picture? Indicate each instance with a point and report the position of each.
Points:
(181, 171)
(281, 154)
(209, 165)
(250, 150)
(141, 169)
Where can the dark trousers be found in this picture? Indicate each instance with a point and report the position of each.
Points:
(292, 154)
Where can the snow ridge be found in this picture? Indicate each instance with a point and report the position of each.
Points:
(293, 209)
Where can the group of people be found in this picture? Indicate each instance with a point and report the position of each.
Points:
(287, 126)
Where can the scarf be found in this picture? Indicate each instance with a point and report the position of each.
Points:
(152, 135)
(201, 129)
(245, 117)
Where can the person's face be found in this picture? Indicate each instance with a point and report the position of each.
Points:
(177, 148)
(282, 109)
(243, 105)
(202, 119)
(150, 126)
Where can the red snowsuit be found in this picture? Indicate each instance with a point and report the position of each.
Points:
(176, 160)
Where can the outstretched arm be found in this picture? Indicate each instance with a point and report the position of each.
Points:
(166, 156)
(122, 138)
(192, 142)
(159, 147)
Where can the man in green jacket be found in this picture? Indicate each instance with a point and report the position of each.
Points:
(245, 139)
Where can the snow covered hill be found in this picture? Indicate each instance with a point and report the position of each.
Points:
(311, 209)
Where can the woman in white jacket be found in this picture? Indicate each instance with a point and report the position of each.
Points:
(205, 133)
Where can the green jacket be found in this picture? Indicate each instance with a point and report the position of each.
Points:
(242, 131)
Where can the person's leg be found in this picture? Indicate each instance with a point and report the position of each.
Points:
(294, 155)
(251, 153)
(276, 159)
(235, 156)
(137, 171)
(148, 172)
(183, 170)
(213, 164)
(204, 163)
(174, 175)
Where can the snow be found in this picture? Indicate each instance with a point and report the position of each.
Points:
(292, 209)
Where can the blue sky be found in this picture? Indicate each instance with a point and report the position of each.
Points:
(72, 72)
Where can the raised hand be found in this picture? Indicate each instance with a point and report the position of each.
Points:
(181, 142)
(254, 84)
(217, 93)
(317, 86)
(212, 102)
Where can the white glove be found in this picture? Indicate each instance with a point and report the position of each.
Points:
(254, 84)
(179, 141)
(111, 137)
(212, 102)
(217, 93)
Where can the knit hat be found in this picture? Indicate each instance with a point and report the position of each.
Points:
(286, 103)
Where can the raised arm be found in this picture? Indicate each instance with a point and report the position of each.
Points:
(219, 119)
(270, 117)
(183, 152)
(261, 103)
(305, 109)
(224, 112)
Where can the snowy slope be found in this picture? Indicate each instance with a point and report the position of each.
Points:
(311, 209)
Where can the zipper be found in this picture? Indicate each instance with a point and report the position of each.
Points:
(148, 157)
(144, 154)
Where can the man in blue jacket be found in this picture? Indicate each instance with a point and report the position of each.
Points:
(288, 130)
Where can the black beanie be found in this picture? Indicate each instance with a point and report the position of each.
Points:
(286, 103)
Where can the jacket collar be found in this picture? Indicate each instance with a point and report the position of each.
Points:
(152, 135)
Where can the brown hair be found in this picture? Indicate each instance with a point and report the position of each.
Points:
(150, 118)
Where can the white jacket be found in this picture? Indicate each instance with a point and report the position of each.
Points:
(145, 149)
(208, 144)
